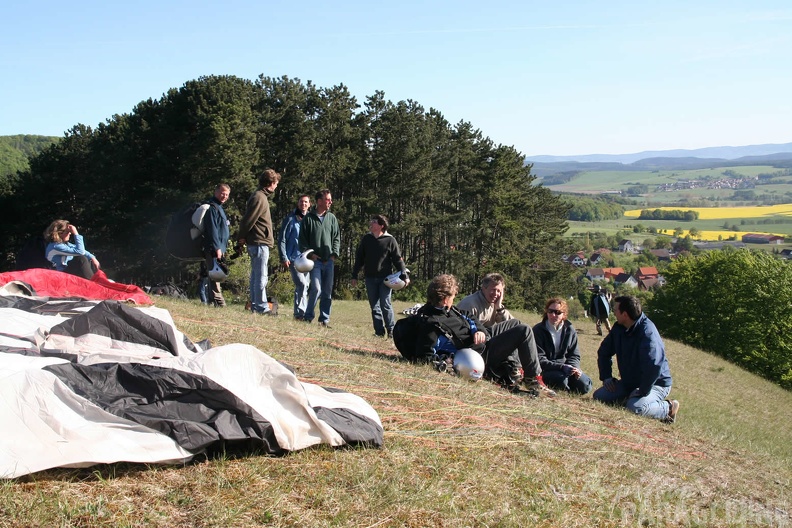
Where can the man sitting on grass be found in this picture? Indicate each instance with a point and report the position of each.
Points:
(508, 348)
(640, 355)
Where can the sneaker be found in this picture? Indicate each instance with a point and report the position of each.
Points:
(325, 324)
(673, 409)
(537, 387)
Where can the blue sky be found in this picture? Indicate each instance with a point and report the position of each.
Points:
(556, 78)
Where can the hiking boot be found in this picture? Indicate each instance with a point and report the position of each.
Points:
(537, 387)
(673, 409)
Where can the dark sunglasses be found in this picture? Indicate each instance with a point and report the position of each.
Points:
(556, 312)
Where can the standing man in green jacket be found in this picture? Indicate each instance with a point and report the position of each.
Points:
(321, 233)
(255, 230)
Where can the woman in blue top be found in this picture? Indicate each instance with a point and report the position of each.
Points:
(66, 250)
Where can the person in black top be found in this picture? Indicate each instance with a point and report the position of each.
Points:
(378, 254)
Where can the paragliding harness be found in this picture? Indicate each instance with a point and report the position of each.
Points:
(405, 337)
(184, 237)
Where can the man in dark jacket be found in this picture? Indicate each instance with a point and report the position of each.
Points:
(508, 348)
(255, 231)
(378, 254)
(640, 355)
(599, 309)
(557, 346)
(215, 242)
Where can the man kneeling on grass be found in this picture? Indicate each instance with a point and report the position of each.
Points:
(640, 355)
(508, 348)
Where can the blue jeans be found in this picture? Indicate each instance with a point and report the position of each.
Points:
(321, 287)
(379, 298)
(652, 405)
(204, 291)
(301, 281)
(259, 260)
(556, 379)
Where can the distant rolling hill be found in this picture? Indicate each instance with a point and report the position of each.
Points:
(664, 160)
(723, 153)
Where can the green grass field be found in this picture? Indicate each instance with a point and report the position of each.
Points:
(602, 181)
(456, 453)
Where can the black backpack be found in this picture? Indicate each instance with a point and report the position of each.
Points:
(405, 334)
(184, 239)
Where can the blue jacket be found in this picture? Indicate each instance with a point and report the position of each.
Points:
(61, 253)
(288, 241)
(640, 356)
(216, 231)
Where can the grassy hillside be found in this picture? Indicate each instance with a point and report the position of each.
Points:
(15, 151)
(456, 453)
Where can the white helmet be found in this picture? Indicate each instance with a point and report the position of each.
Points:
(394, 281)
(468, 364)
(219, 271)
(302, 263)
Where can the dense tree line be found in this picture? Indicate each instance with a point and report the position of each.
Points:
(676, 214)
(585, 209)
(734, 303)
(458, 202)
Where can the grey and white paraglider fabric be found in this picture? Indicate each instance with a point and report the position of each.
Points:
(89, 382)
(302, 263)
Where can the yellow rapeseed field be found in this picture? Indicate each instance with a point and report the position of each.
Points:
(710, 236)
(723, 213)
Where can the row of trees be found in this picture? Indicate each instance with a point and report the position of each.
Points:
(584, 209)
(458, 203)
(676, 214)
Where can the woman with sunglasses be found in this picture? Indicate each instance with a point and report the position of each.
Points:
(557, 347)
(66, 250)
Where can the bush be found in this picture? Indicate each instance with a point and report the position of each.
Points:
(736, 304)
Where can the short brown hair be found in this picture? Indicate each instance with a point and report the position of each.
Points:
(440, 288)
(268, 177)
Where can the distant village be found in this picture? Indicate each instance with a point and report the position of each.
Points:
(648, 278)
(721, 183)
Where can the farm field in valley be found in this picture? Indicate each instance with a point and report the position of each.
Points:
(726, 218)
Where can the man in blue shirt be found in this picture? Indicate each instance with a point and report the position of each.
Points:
(640, 355)
(289, 249)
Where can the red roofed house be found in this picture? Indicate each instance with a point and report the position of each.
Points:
(649, 272)
(612, 273)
